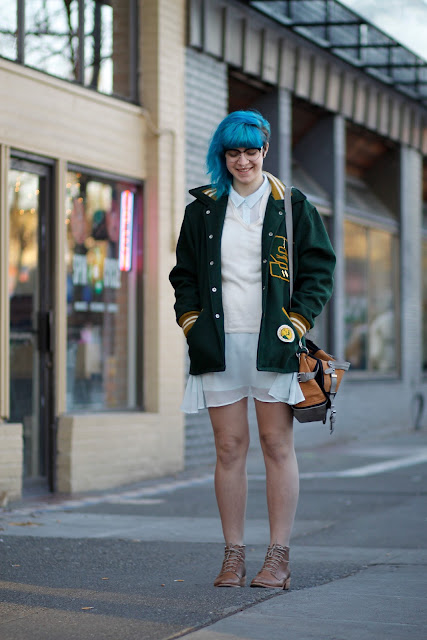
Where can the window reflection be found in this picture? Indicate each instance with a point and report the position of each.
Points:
(383, 263)
(371, 282)
(107, 46)
(8, 29)
(99, 46)
(356, 283)
(102, 342)
(55, 36)
(51, 37)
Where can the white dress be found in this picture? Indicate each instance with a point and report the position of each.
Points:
(241, 378)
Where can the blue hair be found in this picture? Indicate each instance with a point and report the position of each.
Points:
(239, 129)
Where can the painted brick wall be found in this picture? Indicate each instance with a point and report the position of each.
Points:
(206, 103)
(11, 458)
(95, 454)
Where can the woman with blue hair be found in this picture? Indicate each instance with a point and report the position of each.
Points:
(231, 283)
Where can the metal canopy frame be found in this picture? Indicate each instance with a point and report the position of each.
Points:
(333, 27)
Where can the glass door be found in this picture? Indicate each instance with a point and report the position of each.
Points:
(31, 319)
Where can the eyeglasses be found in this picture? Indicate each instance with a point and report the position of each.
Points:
(250, 154)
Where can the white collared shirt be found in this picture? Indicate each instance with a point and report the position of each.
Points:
(241, 260)
(246, 206)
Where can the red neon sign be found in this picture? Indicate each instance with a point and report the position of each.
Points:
(126, 231)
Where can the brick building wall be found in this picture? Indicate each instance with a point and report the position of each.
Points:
(206, 103)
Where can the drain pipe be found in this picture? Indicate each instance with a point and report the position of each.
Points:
(172, 133)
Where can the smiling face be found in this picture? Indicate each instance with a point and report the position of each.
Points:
(246, 169)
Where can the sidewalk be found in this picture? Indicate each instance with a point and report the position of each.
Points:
(138, 564)
(385, 601)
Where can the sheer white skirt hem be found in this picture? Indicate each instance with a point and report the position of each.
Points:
(241, 379)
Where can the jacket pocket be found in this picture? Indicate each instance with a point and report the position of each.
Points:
(203, 345)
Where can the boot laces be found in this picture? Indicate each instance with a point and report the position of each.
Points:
(275, 555)
(233, 555)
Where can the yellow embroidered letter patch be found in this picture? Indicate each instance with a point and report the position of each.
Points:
(279, 261)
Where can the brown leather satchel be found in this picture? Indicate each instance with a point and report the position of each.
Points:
(319, 376)
(319, 373)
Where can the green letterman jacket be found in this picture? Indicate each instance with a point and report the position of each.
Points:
(196, 279)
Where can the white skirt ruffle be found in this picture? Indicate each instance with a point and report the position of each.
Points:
(241, 379)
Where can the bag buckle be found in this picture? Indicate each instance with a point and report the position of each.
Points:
(301, 348)
(332, 419)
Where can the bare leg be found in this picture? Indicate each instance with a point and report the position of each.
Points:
(277, 443)
(231, 431)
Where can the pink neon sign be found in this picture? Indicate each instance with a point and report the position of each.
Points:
(126, 229)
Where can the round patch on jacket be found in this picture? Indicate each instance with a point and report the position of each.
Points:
(285, 333)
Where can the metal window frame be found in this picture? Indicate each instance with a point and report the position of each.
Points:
(20, 23)
(81, 45)
(134, 57)
(45, 169)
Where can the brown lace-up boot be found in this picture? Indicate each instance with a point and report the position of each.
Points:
(275, 573)
(233, 571)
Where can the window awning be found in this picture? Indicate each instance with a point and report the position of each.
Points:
(347, 35)
(360, 200)
(311, 188)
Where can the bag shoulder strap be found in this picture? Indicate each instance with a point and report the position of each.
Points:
(290, 234)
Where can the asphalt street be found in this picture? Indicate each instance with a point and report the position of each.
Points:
(139, 563)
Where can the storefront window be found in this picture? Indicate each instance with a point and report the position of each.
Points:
(91, 42)
(103, 229)
(8, 29)
(371, 321)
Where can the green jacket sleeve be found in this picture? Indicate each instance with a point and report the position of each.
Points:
(183, 276)
(313, 282)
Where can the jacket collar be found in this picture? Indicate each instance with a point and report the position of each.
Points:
(207, 193)
(277, 187)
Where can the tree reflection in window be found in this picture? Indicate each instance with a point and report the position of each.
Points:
(8, 30)
(99, 46)
(84, 41)
(51, 37)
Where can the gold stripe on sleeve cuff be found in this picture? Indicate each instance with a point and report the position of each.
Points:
(187, 320)
(300, 323)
